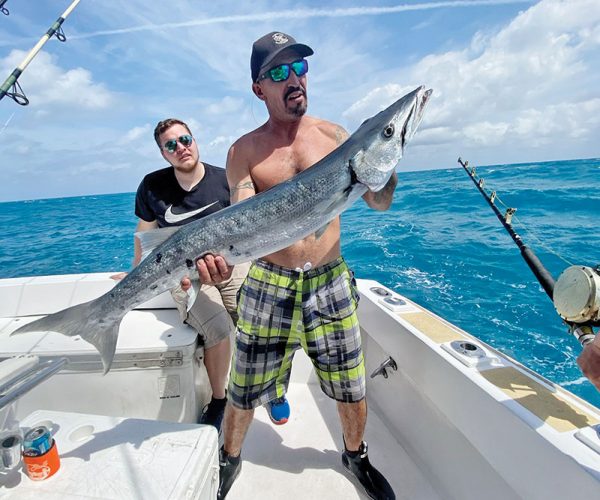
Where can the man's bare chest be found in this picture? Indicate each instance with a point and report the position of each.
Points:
(283, 164)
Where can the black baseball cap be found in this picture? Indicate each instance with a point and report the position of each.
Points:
(267, 47)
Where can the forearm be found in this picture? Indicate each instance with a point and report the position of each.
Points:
(589, 362)
(137, 252)
(137, 246)
(382, 199)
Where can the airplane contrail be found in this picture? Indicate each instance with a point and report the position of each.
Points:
(7, 122)
(301, 14)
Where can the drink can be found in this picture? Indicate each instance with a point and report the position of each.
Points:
(37, 441)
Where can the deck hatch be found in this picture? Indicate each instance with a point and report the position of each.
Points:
(435, 329)
(550, 407)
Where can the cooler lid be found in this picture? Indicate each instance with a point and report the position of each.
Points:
(109, 457)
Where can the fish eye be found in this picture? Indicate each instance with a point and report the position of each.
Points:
(388, 131)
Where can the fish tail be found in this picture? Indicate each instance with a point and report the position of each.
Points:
(87, 320)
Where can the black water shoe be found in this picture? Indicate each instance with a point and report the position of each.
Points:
(229, 470)
(375, 485)
(213, 413)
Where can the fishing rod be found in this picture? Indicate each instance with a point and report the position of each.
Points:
(11, 86)
(3, 9)
(576, 293)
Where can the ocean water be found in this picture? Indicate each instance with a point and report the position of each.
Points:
(440, 244)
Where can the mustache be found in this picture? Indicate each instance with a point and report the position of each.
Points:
(291, 90)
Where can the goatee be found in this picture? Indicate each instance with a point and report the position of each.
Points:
(299, 110)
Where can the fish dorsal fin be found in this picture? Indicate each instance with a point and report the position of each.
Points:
(154, 237)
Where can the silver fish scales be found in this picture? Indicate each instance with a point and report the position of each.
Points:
(252, 228)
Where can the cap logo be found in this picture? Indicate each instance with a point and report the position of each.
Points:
(280, 38)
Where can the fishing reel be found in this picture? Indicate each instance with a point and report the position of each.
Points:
(576, 298)
(576, 294)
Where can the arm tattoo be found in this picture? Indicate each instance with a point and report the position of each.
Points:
(340, 135)
(243, 185)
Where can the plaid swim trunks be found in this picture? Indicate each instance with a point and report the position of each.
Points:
(281, 310)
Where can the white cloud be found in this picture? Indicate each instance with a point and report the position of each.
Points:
(532, 84)
(221, 140)
(227, 105)
(22, 149)
(486, 133)
(45, 82)
(193, 124)
(135, 133)
(376, 100)
(101, 167)
(525, 89)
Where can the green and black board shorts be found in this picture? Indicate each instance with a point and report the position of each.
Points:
(281, 310)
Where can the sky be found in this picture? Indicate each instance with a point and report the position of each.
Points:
(513, 81)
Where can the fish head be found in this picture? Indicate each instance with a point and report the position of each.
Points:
(381, 139)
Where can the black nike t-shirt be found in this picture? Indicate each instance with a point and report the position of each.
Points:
(160, 197)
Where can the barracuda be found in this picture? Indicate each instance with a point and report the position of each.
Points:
(257, 226)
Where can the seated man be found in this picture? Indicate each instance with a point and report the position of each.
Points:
(185, 191)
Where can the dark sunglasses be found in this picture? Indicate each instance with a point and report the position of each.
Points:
(282, 72)
(185, 140)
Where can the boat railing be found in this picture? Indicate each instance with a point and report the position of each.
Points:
(21, 382)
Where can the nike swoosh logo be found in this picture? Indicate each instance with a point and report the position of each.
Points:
(172, 218)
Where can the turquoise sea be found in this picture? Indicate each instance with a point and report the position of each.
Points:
(440, 244)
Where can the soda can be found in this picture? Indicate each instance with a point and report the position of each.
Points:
(37, 441)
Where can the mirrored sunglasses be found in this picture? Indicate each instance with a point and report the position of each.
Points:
(282, 72)
(185, 140)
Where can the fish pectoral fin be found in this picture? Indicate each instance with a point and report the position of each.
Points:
(192, 294)
(149, 240)
(333, 204)
(322, 230)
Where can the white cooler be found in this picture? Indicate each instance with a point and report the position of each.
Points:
(115, 458)
(157, 372)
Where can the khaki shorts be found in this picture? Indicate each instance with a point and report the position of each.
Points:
(214, 313)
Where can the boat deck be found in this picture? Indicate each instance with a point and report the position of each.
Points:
(302, 458)
(436, 436)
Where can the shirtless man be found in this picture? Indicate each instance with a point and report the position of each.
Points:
(301, 296)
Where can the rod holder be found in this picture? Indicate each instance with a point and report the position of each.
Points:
(11, 449)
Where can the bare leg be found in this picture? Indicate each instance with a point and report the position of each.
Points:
(216, 360)
(235, 426)
(354, 418)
